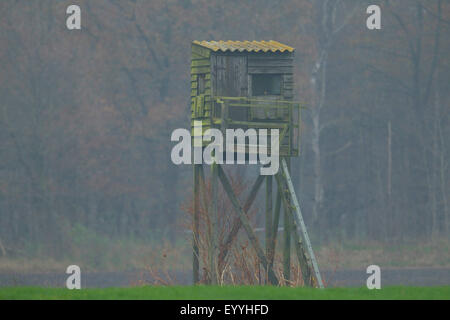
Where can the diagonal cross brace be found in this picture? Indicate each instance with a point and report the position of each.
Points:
(237, 222)
(246, 224)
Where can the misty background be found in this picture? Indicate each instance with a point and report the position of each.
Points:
(86, 118)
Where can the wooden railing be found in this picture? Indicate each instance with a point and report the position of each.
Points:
(270, 113)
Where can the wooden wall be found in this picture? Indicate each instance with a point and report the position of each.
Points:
(201, 104)
(231, 72)
(230, 75)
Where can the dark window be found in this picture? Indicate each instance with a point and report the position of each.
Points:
(201, 84)
(266, 85)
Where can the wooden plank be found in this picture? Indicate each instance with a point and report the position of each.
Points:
(201, 51)
(287, 237)
(197, 56)
(200, 58)
(203, 188)
(198, 70)
(213, 243)
(261, 62)
(270, 70)
(275, 223)
(200, 63)
(288, 93)
(268, 240)
(195, 249)
(230, 76)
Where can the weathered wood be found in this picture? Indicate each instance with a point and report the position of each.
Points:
(200, 58)
(302, 255)
(229, 78)
(229, 75)
(268, 221)
(237, 222)
(246, 224)
(275, 223)
(200, 63)
(203, 188)
(303, 262)
(198, 70)
(287, 240)
(288, 94)
(270, 62)
(196, 56)
(203, 52)
(299, 219)
(270, 70)
(213, 238)
(195, 257)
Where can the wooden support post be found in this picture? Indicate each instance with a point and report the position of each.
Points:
(203, 188)
(268, 228)
(275, 223)
(287, 240)
(195, 255)
(303, 258)
(246, 224)
(214, 225)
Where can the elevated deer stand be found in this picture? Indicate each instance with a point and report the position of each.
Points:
(243, 84)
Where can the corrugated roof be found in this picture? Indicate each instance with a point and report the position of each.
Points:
(247, 46)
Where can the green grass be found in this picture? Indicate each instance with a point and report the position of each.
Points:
(226, 293)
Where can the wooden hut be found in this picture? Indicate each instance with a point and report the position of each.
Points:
(254, 79)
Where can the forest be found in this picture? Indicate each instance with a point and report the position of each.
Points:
(86, 117)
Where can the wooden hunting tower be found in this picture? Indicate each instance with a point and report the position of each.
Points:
(254, 79)
(250, 84)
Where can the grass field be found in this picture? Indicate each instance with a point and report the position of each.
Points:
(226, 293)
